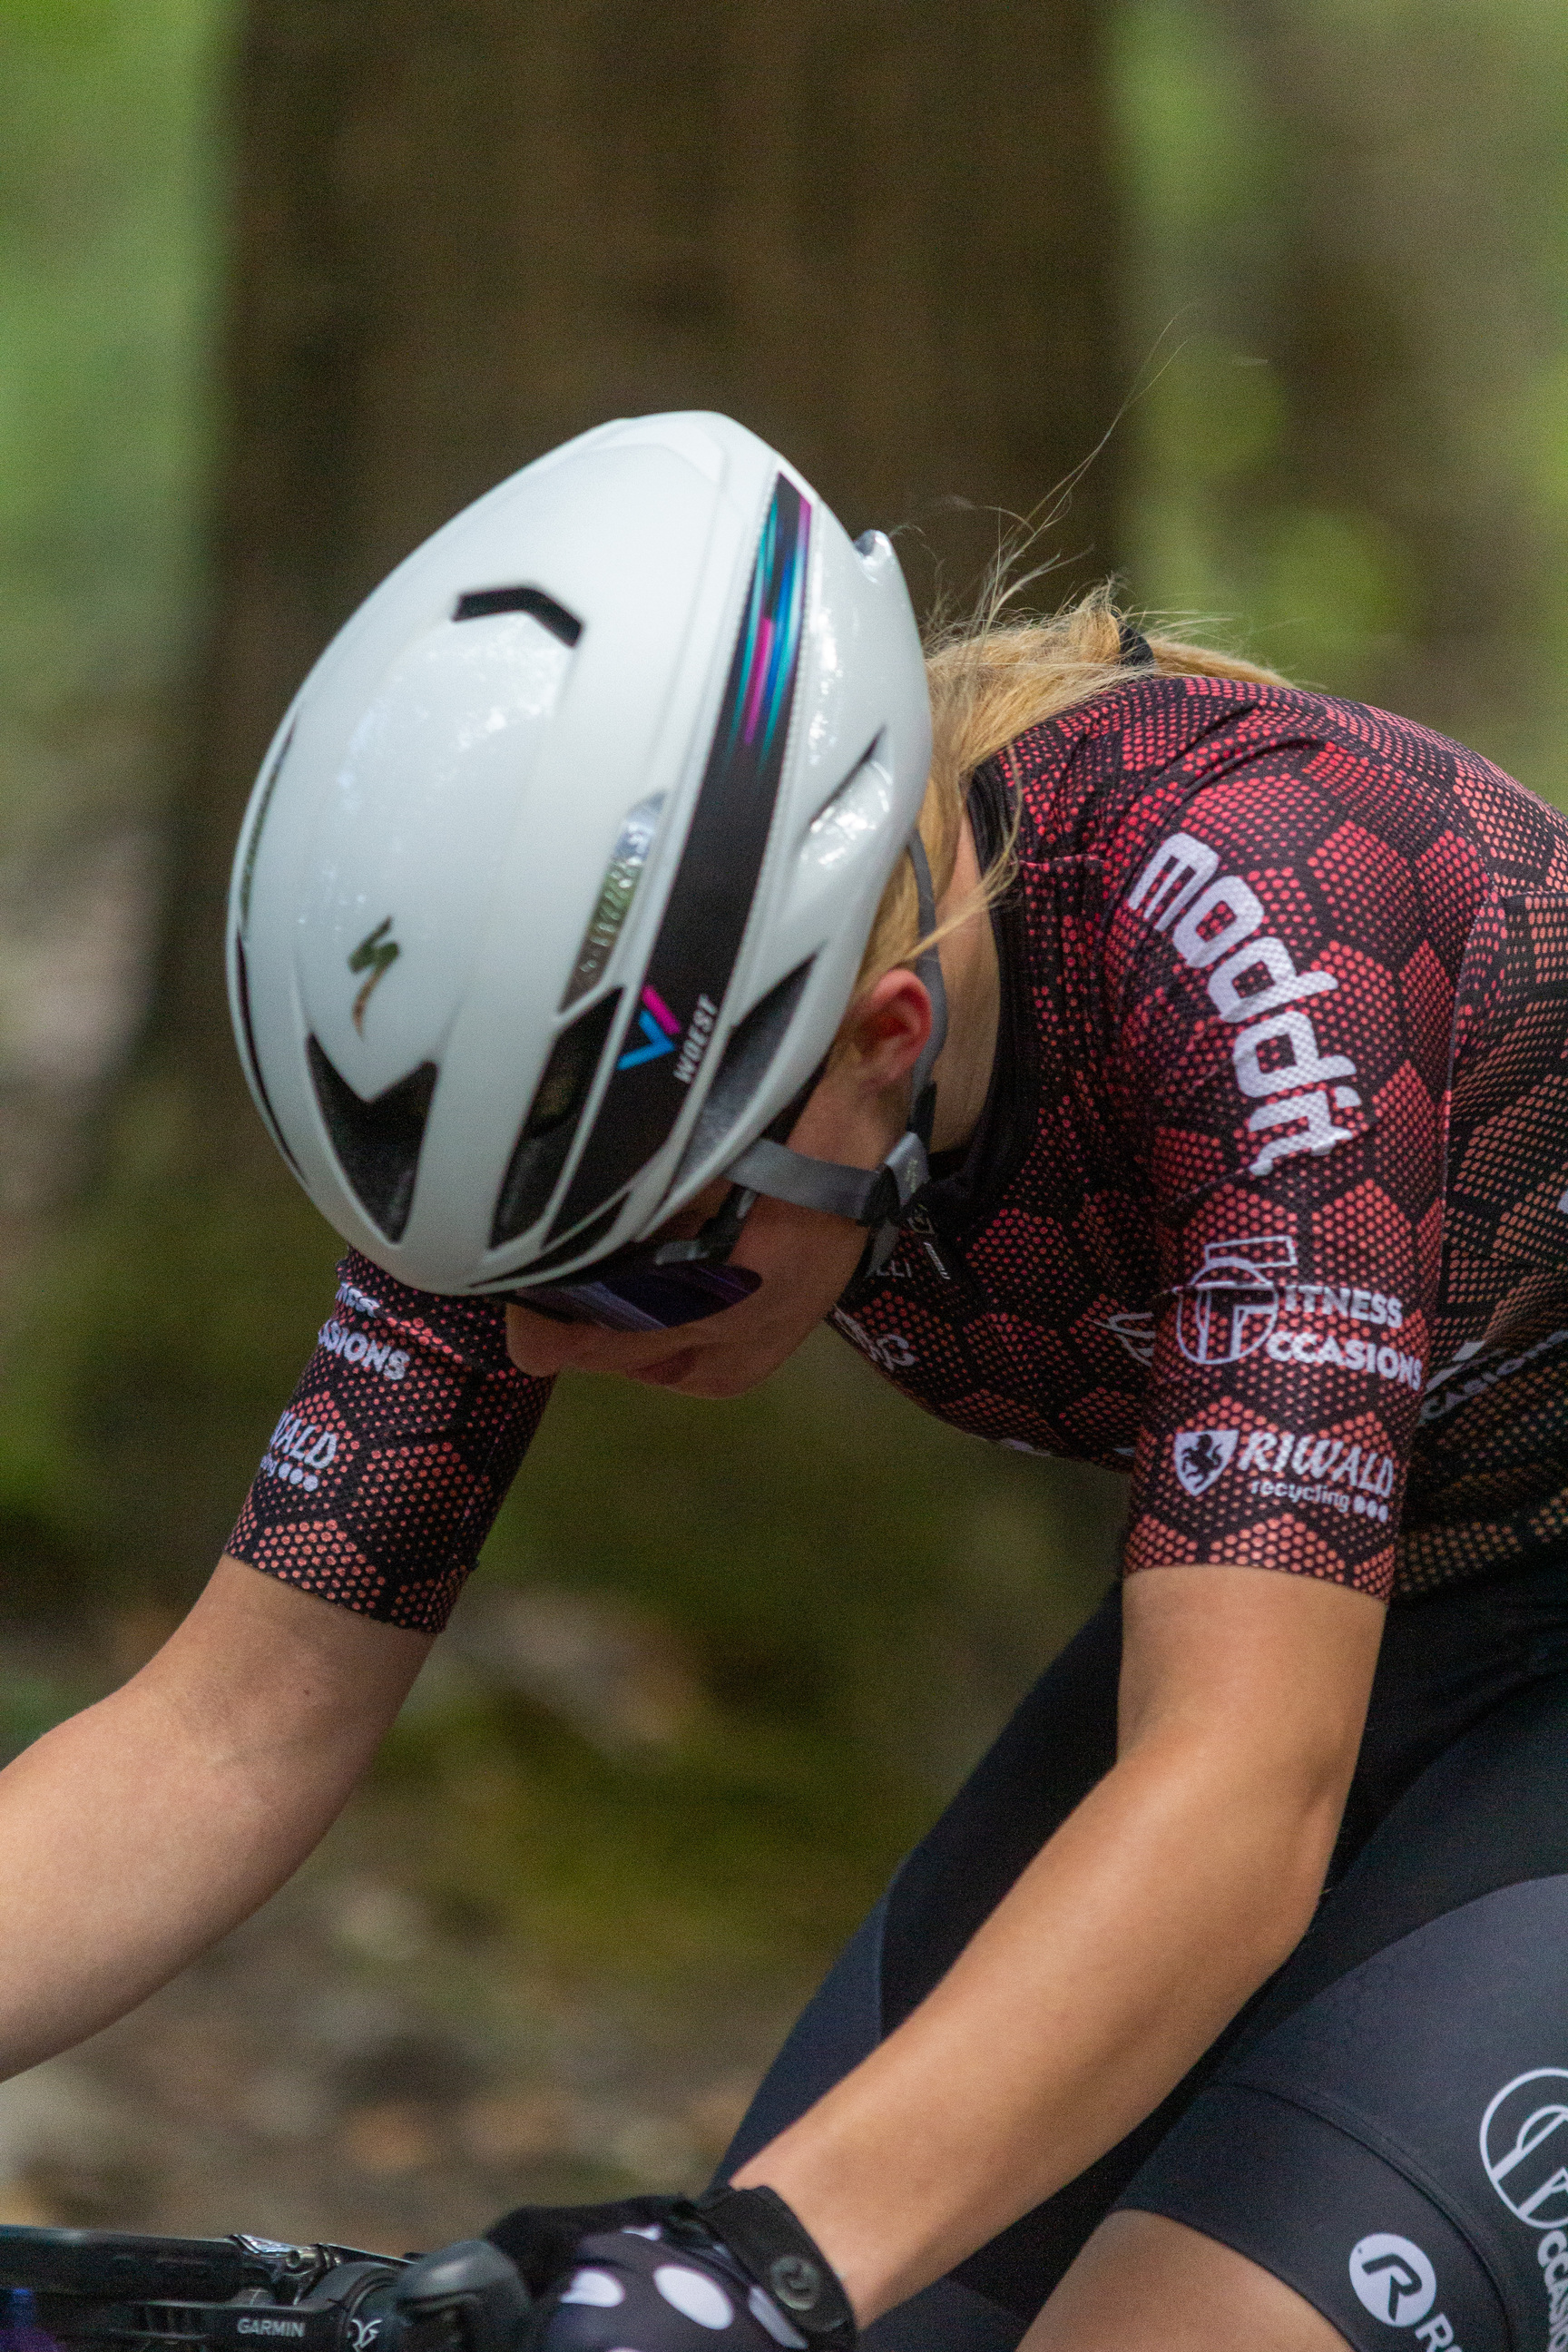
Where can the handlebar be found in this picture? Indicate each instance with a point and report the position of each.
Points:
(111, 2291)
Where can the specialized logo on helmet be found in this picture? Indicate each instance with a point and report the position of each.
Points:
(1394, 2280)
(1524, 2146)
(376, 954)
(1201, 1455)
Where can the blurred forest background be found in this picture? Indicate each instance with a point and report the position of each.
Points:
(1278, 284)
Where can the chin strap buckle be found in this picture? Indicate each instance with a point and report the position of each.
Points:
(902, 1178)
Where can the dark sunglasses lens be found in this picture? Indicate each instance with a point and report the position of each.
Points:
(645, 1297)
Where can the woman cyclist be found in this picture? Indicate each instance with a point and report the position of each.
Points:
(640, 955)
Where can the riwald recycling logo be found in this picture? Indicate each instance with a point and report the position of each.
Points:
(1201, 1455)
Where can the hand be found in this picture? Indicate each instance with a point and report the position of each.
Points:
(542, 2240)
(633, 2289)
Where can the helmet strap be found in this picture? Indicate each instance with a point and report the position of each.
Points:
(883, 1197)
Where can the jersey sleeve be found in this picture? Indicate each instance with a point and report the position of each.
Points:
(1279, 1006)
(382, 1480)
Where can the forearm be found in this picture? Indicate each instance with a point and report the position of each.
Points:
(137, 1833)
(1164, 1900)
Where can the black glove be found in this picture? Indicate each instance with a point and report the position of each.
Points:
(542, 2240)
(733, 2273)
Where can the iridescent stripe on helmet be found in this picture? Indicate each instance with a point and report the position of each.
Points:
(678, 1007)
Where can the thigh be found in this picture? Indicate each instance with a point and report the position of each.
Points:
(1388, 2134)
(1144, 2284)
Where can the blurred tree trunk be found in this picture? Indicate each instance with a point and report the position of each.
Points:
(1406, 340)
(881, 233)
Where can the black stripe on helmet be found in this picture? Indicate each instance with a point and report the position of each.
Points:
(678, 1007)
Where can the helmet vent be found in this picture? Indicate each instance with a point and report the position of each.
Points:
(480, 603)
(747, 1057)
(572, 1247)
(377, 1142)
(541, 1148)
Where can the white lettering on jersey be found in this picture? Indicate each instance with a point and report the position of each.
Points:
(1330, 1471)
(297, 1450)
(354, 1347)
(1276, 1055)
(892, 1353)
(1440, 1401)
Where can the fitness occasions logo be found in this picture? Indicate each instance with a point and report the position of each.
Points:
(1394, 2280)
(1524, 2146)
(359, 1348)
(1234, 1304)
(1201, 1455)
(1231, 1306)
(1245, 1298)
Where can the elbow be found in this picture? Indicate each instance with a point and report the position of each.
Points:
(1298, 1853)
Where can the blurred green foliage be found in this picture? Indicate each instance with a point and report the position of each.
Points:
(110, 243)
(1359, 208)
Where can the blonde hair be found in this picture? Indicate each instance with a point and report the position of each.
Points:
(990, 679)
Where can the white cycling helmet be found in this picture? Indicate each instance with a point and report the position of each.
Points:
(554, 885)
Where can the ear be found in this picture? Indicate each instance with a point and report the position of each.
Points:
(884, 1030)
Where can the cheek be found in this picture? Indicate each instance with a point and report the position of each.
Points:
(537, 1346)
(804, 1257)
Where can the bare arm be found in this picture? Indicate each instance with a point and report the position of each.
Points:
(1163, 1901)
(135, 1835)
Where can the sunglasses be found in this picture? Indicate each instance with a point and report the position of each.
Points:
(656, 1285)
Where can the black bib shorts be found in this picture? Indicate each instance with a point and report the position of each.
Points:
(1385, 2125)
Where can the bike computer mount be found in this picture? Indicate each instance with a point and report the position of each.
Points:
(106, 2288)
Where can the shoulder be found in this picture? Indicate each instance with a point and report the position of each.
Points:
(1270, 773)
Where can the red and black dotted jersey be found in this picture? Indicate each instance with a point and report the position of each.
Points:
(1268, 1203)
(380, 1483)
